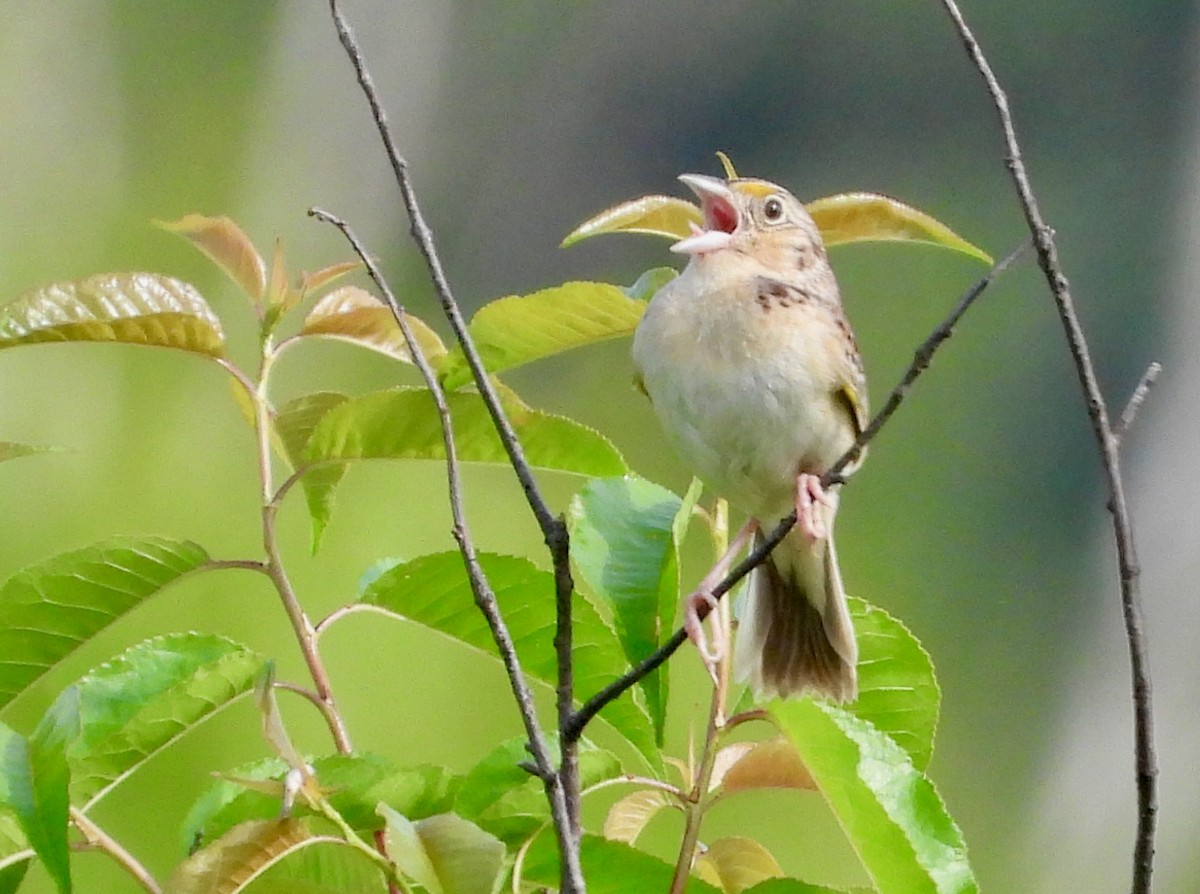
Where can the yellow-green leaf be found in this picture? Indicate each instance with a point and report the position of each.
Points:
(628, 817)
(735, 864)
(355, 315)
(234, 860)
(228, 247)
(131, 308)
(651, 215)
(868, 217)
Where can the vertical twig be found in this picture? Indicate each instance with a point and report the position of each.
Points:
(1107, 442)
(554, 529)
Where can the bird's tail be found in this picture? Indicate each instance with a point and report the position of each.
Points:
(795, 634)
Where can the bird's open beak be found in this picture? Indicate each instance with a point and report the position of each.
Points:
(720, 216)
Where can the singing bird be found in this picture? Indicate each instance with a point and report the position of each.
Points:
(754, 373)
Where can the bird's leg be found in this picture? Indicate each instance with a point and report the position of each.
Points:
(811, 499)
(703, 596)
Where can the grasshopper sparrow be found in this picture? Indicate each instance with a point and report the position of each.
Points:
(753, 371)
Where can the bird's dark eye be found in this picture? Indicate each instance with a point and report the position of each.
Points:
(773, 209)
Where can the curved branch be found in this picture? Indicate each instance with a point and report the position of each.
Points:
(1107, 440)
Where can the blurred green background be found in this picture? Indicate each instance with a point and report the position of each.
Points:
(979, 518)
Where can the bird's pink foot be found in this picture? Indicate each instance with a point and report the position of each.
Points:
(694, 625)
(811, 500)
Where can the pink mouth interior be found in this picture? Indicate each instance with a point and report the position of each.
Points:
(719, 215)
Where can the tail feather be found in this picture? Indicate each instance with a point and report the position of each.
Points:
(795, 634)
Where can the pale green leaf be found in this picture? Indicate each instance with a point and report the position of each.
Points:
(504, 799)
(445, 854)
(890, 812)
(15, 852)
(664, 216)
(295, 422)
(356, 316)
(433, 590)
(867, 217)
(144, 699)
(322, 867)
(228, 247)
(795, 886)
(647, 285)
(49, 609)
(402, 423)
(629, 816)
(736, 863)
(625, 539)
(36, 780)
(131, 308)
(231, 863)
(611, 867)
(518, 329)
(355, 784)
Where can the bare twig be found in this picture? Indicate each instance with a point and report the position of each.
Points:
(485, 598)
(921, 359)
(554, 529)
(100, 840)
(1136, 399)
(1107, 441)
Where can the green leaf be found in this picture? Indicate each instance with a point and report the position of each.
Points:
(144, 699)
(321, 867)
(10, 450)
(795, 886)
(445, 854)
(433, 590)
(518, 329)
(889, 810)
(650, 215)
(356, 785)
(736, 863)
(228, 247)
(611, 867)
(897, 689)
(629, 816)
(354, 315)
(36, 779)
(504, 799)
(625, 539)
(647, 285)
(294, 424)
(49, 609)
(402, 423)
(231, 863)
(15, 853)
(867, 217)
(131, 308)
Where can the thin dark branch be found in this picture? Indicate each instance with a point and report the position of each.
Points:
(554, 529)
(921, 359)
(1106, 440)
(1136, 399)
(485, 598)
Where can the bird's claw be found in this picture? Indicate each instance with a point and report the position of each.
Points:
(810, 500)
(694, 626)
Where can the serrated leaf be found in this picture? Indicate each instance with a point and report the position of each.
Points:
(504, 799)
(625, 539)
(131, 308)
(445, 854)
(665, 216)
(433, 590)
(402, 423)
(228, 247)
(231, 863)
(10, 450)
(355, 315)
(49, 609)
(322, 867)
(356, 784)
(139, 702)
(897, 689)
(629, 816)
(518, 329)
(611, 867)
(735, 864)
(295, 422)
(773, 763)
(890, 812)
(868, 217)
(36, 779)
